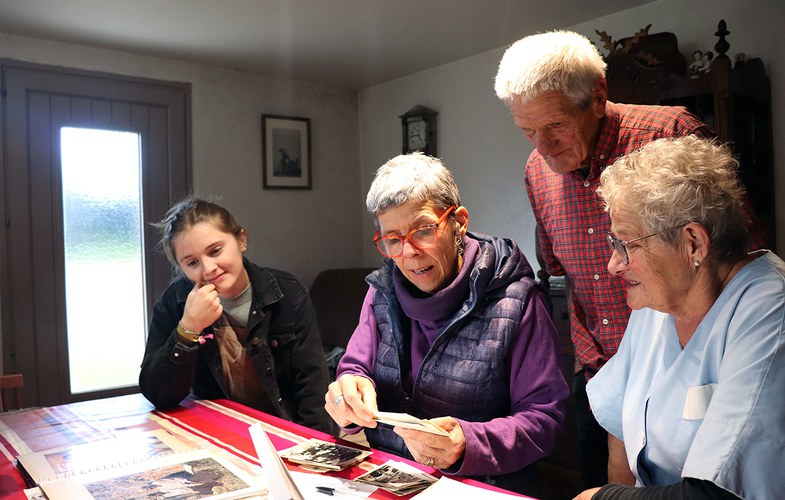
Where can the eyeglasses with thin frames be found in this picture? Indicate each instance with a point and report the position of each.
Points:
(621, 245)
(420, 238)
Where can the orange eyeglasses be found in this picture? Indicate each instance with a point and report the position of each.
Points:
(421, 238)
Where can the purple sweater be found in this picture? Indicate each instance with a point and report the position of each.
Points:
(537, 386)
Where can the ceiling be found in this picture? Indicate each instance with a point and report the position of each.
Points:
(345, 43)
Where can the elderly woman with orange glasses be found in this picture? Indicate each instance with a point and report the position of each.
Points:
(453, 329)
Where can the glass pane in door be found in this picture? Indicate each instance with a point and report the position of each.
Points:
(104, 267)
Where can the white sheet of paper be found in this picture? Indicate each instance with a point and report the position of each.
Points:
(450, 488)
(279, 481)
(342, 488)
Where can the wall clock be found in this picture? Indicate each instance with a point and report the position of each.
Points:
(419, 130)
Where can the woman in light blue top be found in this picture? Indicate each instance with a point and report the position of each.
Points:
(693, 399)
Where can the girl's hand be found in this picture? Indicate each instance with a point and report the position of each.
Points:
(202, 308)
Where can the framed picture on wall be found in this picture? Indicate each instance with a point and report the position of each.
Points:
(286, 152)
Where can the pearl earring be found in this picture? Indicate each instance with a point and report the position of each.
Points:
(697, 263)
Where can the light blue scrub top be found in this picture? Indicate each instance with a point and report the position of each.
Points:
(714, 410)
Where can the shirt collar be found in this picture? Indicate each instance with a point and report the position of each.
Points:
(606, 142)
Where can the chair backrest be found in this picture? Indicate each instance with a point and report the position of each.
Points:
(11, 383)
(337, 296)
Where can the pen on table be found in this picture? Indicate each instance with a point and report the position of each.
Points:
(341, 491)
(326, 490)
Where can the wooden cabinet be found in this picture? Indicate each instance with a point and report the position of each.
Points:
(731, 96)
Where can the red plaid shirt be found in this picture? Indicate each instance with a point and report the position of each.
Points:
(571, 224)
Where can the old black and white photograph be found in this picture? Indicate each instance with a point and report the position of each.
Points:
(324, 454)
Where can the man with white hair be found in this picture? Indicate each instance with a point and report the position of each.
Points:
(555, 88)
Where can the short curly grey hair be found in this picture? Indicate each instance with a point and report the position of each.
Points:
(672, 182)
(556, 61)
(411, 177)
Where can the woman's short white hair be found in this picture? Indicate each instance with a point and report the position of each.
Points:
(672, 182)
(412, 177)
(556, 61)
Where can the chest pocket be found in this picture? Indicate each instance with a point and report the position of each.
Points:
(697, 401)
(281, 336)
(281, 340)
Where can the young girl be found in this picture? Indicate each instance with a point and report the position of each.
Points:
(226, 328)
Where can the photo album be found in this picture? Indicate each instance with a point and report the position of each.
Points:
(136, 465)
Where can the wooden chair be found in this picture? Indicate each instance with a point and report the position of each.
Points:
(9, 383)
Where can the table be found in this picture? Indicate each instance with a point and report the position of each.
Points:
(222, 423)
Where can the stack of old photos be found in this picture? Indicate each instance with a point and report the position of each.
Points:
(398, 478)
(322, 456)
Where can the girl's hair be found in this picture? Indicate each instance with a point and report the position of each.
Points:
(186, 214)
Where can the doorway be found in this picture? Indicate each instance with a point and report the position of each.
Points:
(89, 161)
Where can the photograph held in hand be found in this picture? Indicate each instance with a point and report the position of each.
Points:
(409, 422)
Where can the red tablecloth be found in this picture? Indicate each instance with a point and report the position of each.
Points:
(222, 423)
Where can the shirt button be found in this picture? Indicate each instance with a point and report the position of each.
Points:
(586, 184)
(605, 321)
(177, 355)
(274, 343)
(602, 157)
(269, 372)
(254, 313)
(596, 277)
(255, 341)
(590, 230)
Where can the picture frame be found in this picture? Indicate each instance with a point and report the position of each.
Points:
(286, 152)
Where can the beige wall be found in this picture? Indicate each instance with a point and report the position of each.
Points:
(301, 231)
(478, 142)
(307, 231)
